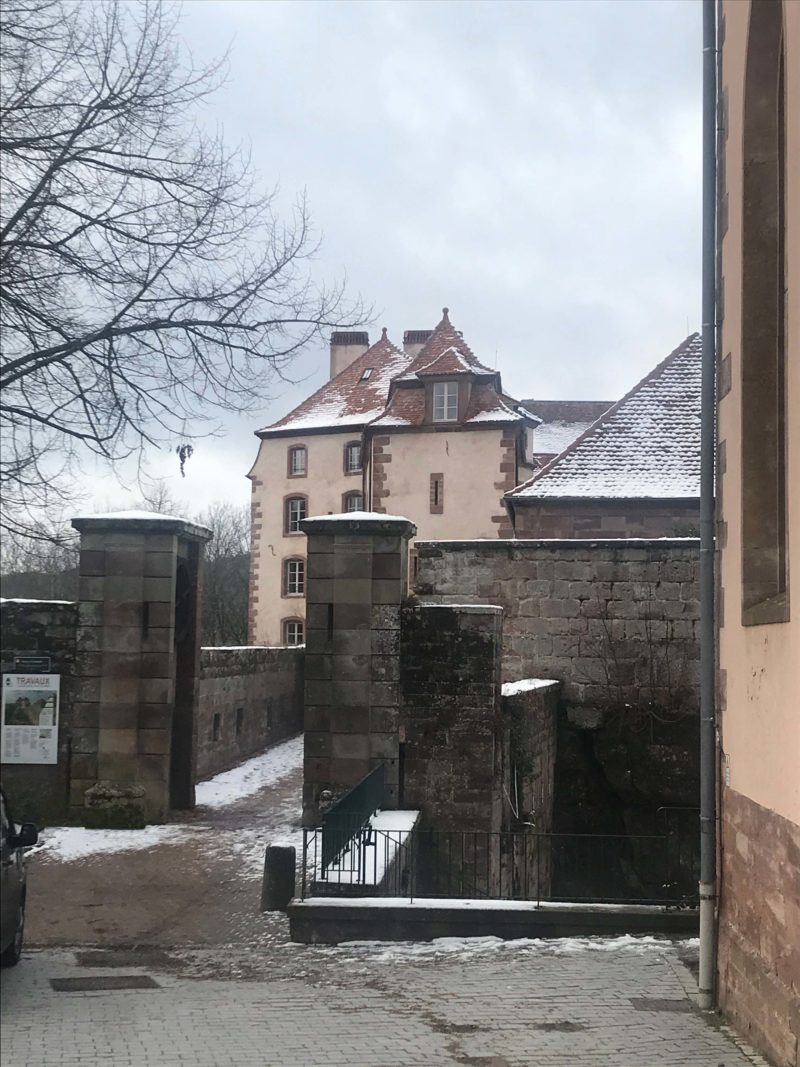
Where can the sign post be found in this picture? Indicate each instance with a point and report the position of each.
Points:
(30, 718)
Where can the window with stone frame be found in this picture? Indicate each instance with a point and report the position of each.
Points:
(765, 592)
(294, 577)
(296, 509)
(297, 461)
(352, 457)
(294, 632)
(436, 495)
(353, 501)
(445, 402)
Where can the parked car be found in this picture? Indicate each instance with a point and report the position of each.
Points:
(12, 887)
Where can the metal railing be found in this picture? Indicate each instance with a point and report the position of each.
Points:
(659, 868)
(346, 818)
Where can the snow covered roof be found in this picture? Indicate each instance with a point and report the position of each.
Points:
(351, 399)
(561, 423)
(647, 445)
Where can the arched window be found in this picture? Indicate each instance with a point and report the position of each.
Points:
(352, 457)
(294, 631)
(765, 594)
(294, 577)
(297, 462)
(295, 510)
(353, 501)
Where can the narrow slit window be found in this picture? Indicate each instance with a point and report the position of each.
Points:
(437, 494)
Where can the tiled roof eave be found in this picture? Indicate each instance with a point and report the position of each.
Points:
(309, 431)
(519, 497)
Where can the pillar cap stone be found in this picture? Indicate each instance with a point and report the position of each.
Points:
(141, 522)
(368, 523)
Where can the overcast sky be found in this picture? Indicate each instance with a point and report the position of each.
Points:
(535, 166)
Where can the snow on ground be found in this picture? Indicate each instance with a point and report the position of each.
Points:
(466, 948)
(69, 843)
(246, 779)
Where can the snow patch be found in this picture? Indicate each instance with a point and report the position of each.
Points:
(465, 948)
(69, 843)
(26, 600)
(525, 685)
(270, 767)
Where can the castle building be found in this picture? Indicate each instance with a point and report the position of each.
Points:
(425, 431)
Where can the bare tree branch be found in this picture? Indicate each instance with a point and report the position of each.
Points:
(148, 285)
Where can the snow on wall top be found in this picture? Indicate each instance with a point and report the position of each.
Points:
(646, 446)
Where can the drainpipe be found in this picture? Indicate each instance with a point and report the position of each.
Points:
(708, 745)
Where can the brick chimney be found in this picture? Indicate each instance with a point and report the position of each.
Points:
(414, 341)
(347, 347)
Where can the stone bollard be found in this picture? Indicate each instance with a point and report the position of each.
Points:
(277, 888)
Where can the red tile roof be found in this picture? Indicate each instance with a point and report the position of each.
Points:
(346, 401)
(392, 395)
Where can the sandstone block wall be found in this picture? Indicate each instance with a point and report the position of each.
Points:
(529, 715)
(249, 698)
(452, 744)
(616, 622)
(40, 793)
(357, 578)
(759, 930)
(449, 715)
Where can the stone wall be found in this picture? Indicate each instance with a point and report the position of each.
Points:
(759, 930)
(616, 622)
(40, 793)
(249, 698)
(256, 692)
(449, 715)
(529, 712)
(451, 738)
(605, 518)
(357, 577)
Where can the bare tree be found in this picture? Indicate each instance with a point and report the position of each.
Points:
(146, 283)
(226, 574)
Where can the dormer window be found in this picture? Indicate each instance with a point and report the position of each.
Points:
(445, 402)
(365, 374)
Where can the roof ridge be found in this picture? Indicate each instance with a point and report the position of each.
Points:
(571, 448)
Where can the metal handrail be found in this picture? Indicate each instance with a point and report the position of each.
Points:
(508, 865)
(345, 819)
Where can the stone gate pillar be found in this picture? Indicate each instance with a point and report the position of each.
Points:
(138, 645)
(357, 578)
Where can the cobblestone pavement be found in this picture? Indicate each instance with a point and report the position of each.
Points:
(565, 1004)
(230, 989)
